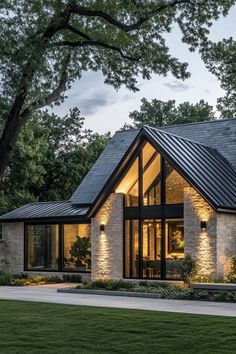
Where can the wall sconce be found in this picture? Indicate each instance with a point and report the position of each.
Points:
(102, 227)
(203, 225)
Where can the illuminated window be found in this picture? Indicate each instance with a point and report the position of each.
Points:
(129, 185)
(151, 176)
(175, 185)
(77, 247)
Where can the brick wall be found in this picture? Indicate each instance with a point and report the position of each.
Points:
(107, 246)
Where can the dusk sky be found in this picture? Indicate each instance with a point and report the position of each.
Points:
(106, 109)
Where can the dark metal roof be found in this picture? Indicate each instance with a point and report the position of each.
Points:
(218, 134)
(105, 165)
(204, 167)
(49, 210)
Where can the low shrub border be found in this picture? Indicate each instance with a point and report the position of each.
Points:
(163, 290)
(25, 280)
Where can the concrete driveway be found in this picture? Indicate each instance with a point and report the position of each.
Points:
(48, 293)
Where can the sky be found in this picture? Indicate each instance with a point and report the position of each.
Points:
(106, 109)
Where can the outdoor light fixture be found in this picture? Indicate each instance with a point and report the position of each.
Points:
(102, 227)
(203, 225)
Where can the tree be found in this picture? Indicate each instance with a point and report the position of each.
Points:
(220, 59)
(46, 44)
(159, 113)
(50, 159)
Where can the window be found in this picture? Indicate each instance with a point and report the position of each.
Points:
(131, 249)
(53, 247)
(77, 247)
(129, 185)
(175, 185)
(43, 247)
(153, 248)
(174, 247)
(151, 176)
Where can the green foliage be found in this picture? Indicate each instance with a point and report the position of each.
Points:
(187, 268)
(159, 113)
(26, 280)
(220, 61)
(51, 152)
(231, 277)
(72, 278)
(81, 251)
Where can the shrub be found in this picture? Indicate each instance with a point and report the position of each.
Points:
(232, 274)
(110, 285)
(72, 278)
(187, 268)
(6, 278)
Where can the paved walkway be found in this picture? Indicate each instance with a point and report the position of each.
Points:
(48, 293)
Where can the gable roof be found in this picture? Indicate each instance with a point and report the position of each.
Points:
(218, 134)
(204, 167)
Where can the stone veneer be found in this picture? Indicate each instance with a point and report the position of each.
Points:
(107, 246)
(226, 241)
(201, 244)
(213, 247)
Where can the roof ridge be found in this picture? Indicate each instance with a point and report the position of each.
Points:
(218, 120)
(180, 137)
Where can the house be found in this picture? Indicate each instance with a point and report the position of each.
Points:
(153, 196)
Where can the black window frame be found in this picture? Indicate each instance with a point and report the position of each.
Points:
(161, 212)
(60, 224)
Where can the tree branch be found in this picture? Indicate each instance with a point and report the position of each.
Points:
(84, 11)
(96, 44)
(52, 97)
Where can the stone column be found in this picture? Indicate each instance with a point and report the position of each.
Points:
(107, 246)
(201, 244)
(226, 242)
(13, 237)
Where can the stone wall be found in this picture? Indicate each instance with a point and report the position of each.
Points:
(200, 243)
(226, 241)
(13, 237)
(107, 246)
(2, 256)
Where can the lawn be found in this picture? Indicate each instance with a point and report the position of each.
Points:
(27, 327)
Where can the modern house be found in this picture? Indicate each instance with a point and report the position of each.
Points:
(153, 196)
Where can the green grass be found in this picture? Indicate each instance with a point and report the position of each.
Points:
(27, 327)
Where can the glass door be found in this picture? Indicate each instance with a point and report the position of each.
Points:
(151, 249)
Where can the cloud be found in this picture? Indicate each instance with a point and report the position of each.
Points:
(177, 86)
(90, 105)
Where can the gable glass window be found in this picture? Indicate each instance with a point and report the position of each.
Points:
(151, 171)
(154, 229)
(58, 247)
(129, 185)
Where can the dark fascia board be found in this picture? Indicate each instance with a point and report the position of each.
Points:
(58, 219)
(131, 153)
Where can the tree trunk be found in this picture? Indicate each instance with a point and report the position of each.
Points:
(15, 120)
(10, 133)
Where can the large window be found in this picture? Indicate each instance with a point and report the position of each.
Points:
(54, 247)
(77, 247)
(154, 229)
(43, 247)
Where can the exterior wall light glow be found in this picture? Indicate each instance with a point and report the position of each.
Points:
(203, 225)
(102, 227)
